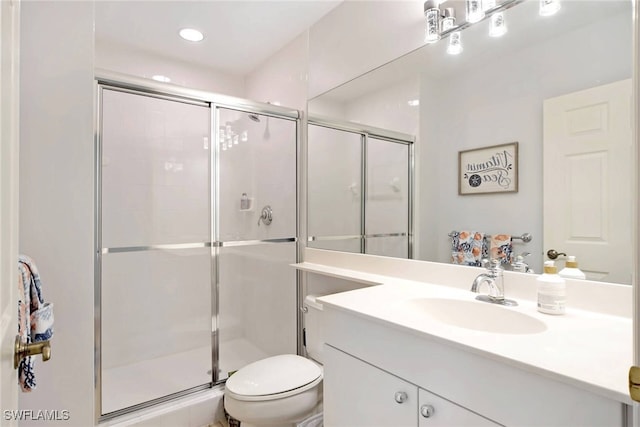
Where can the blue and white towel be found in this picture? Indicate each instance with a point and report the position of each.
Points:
(35, 317)
(467, 248)
(501, 248)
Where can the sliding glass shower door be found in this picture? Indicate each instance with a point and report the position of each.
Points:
(155, 293)
(196, 231)
(255, 237)
(359, 189)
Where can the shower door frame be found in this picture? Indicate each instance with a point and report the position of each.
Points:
(139, 86)
(365, 133)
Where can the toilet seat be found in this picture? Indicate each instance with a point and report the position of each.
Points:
(274, 378)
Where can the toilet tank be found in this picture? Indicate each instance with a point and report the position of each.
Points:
(314, 334)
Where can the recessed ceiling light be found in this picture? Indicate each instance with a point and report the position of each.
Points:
(191, 34)
(161, 78)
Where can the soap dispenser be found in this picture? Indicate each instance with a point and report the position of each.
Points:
(552, 292)
(571, 270)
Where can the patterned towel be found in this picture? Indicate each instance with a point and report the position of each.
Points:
(501, 248)
(35, 317)
(467, 248)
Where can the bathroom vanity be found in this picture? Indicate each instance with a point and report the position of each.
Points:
(417, 353)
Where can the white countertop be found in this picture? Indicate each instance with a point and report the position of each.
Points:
(586, 349)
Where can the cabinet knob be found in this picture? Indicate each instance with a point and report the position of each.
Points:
(427, 411)
(401, 397)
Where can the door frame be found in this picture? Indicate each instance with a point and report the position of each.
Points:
(9, 207)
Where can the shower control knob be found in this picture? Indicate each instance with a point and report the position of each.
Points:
(427, 411)
(266, 216)
(401, 397)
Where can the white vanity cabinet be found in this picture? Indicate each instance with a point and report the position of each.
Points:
(368, 361)
(357, 394)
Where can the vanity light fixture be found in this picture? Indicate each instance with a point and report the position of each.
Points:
(432, 15)
(191, 34)
(549, 7)
(438, 20)
(475, 11)
(497, 24)
(455, 43)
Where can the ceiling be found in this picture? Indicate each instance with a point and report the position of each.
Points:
(239, 35)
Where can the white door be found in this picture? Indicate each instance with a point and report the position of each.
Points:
(587, 180)
(9, 30)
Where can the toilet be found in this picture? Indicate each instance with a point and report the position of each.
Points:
(282, 390)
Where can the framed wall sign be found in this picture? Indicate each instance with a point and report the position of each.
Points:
(488, 170)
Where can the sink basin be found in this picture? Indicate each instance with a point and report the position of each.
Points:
(476, 315)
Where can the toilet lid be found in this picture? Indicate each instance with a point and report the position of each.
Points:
(277, 374)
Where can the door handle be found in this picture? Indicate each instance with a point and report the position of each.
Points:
(634, 383)
(553, 254)
(22, 350)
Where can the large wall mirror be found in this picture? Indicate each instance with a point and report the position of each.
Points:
(557, 85)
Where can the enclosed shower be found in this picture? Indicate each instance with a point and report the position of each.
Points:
(196, 225)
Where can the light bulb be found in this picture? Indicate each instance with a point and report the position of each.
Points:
(235, 139)
(432, 15)
(498, 25)
(455, 43)
(549, 7)
(245, 136)
(449, 19)
(475, 13)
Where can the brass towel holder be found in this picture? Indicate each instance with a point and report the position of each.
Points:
(22, 350)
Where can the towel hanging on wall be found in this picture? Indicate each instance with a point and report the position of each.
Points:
(467, 248)
(501, 248)
(35, 317)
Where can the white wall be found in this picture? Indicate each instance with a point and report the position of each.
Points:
(358, 36)
(124, 59)
(56, 195)
(388, 108)
(283, 77)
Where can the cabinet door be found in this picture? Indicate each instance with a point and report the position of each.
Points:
(357, 394)
(437, 412)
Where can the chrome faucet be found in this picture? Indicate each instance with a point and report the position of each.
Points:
(494, 278)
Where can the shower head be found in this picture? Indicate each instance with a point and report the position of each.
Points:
(254, 117)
